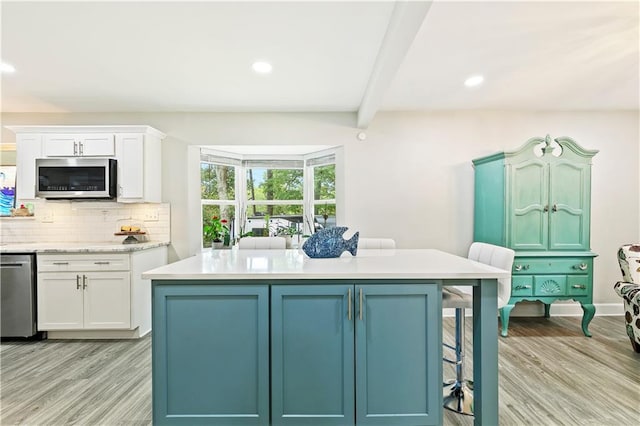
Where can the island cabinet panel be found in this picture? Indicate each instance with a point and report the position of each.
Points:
(211, 354)
(312, 344)
(356, 354)
(398, 355)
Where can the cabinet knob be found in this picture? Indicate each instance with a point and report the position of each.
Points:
(546, 208)
(554, 208)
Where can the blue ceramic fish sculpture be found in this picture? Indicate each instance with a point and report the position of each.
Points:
(330, 243)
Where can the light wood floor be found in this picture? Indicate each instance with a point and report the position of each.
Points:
(550, 374)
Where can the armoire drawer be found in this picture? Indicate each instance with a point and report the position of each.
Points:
(522, 285)
(551, 266)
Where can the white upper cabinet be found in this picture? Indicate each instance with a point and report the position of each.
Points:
(28, 148)
(139, 158)
(137, 150)
(72, 145)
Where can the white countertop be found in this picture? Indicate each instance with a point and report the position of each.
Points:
(78, 247)
(294, 264)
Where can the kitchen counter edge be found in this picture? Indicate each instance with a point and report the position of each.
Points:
(79, 247)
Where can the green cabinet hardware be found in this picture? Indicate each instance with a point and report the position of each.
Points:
(537, 200)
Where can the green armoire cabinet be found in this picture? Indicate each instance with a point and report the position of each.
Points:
(536, 200)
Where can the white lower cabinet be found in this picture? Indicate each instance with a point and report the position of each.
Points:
(96, 295)
(84, 300)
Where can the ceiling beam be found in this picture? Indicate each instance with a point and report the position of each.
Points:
(403, 26)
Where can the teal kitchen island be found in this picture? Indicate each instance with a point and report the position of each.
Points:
(272, 337)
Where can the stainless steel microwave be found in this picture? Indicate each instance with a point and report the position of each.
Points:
(76, 178)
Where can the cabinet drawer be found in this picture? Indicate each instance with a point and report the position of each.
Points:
(552, 266)
(578, 285)
(522, 285)
(83, 262)
(550, 285)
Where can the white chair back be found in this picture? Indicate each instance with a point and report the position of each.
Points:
(500, 257)
(262, 243)
(376, 243)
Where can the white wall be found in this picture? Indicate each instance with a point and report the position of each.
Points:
(411, 179)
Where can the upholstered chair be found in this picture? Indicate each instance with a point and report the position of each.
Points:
(629, 290)
(376, 243)
(262, 243)
(458, 393)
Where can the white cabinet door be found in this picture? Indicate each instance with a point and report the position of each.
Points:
(107, 300)
(98, 145)
(130, 156)
(76, 145)
(60, 145)
(60, 301)
(28, 148)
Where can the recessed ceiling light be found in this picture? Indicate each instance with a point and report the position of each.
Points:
(473, 81)
(8, 68)
(262, 67)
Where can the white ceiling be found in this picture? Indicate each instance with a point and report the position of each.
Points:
(327, 56)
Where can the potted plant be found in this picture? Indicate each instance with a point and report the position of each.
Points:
(217, 231)
(288, 232)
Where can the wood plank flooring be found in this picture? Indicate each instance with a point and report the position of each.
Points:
(550, 374)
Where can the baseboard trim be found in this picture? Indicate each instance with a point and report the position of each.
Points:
(536, 309)
(95, 334)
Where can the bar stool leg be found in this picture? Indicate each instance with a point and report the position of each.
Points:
(458, 393)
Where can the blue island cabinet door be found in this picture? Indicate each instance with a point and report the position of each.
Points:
(312, 355)
(398, 354)
(210, 354)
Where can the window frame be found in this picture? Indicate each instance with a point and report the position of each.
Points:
(241, 163)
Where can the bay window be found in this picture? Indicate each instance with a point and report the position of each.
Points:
(293, 195)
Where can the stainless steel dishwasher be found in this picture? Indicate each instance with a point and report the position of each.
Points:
(18, 295)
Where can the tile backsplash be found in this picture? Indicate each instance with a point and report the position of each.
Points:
(90, 221)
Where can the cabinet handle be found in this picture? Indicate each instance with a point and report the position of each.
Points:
(60, 263)
(582, 266)
(554, 208)
(77, 282)
(546, 208)
(84, 281)
(81, 148)
(102, 263)
(518, 267)
(361, 306)
(75, 148)
(349, 304)
(522, 287)
(582, 286)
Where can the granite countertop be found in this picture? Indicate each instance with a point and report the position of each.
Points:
(78, 247)
(294, 264)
